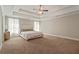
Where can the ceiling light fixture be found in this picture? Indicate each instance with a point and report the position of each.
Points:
(41, 10)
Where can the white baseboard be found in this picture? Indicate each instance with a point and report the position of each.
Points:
(63, 36)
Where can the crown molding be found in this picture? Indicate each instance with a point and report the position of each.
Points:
(67, 12)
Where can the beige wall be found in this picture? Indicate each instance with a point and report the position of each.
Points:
(26, 24)
(66, 26)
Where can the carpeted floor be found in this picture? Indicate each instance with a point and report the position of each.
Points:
(46, 45)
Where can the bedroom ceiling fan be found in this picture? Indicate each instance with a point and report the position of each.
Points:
(41, 10)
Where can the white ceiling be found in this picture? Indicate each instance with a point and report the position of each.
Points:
(53, 11)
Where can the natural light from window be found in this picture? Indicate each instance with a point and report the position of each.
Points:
(13, 25)
(36, 26)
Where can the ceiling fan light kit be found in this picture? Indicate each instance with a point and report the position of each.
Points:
(41, 10)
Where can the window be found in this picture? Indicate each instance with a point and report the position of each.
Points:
(36, 26)
(13, 25)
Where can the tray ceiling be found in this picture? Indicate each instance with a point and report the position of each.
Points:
(53, 11)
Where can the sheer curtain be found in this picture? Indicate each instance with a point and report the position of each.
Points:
(36, 25)
(13, 25)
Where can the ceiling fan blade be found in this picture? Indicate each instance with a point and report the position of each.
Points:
(45, 10)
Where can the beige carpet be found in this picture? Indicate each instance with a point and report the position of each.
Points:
(45, 45)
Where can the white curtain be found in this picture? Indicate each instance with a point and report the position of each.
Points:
(36, 26)
(13, 25)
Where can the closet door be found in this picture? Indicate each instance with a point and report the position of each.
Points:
(1, 26)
